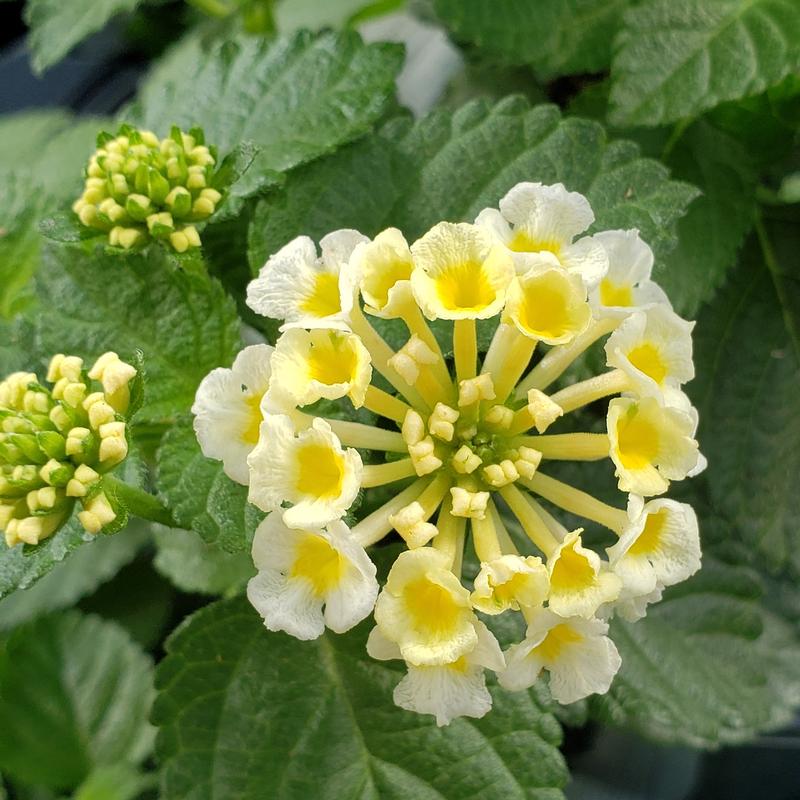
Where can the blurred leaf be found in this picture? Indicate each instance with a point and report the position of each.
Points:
(74, 578)
(115, 782)
(184, 324)
(56, 27)
(555, 37)
(74, 694)
(748, 367)
(195, 566)
(249, 88)
(201, 496)
(676, 58)
(250, 714)
(291, 15)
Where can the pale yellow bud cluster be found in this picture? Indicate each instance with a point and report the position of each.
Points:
(139, 188)
(56, 443)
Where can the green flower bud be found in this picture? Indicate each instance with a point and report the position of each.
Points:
(57, 444)
(137, 185)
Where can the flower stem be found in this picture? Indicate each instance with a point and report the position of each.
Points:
(585, 392)
(391, 471)
(531, 522)
(138, 502)
(465, 348)
(569, 446)
(385, 404)
(484, 539)
(376, 525)
(450, 539)
(508, 356)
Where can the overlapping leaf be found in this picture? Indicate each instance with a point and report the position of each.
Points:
(676, 58)
(248, 714)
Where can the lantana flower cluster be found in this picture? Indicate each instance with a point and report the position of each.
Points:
(139, 188)
(461, 444)
(57, 444)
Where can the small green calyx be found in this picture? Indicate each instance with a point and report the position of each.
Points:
(57, 444)
(139, 188)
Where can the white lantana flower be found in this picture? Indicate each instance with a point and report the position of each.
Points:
(579, 656)
(579, 581)
(227, 410)
(302, 571)
(384, 268)
(534, 218)
(447, 691)
(305, 289)
(309, 365)
(650, 445)
(546, 303)
(459, 273)
(425, 610)
(309, 469)
(654, 349)
(627, 285)
(660, 547)
(510, 582)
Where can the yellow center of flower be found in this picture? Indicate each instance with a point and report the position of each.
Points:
(324, 300)
(544, 312)
(650, 537)
(507, 592)
(647, 359)
(465, 287)
(432, 608)
(572, 571)
(638, 441)
(523, 242)
(382, 279)
(556, 640)
(331, 361)
(320, 471)
(254, 419)
(612, 294)
(319, 563)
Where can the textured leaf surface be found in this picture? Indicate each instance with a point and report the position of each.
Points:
(676, 58)
(76, 577)
(201, 496)
(452, 166)
(555, 37)
(195, 566)
(748, 363)
(56, 27)
(708, 665)
(296, 97)
(249, 714)
(87, 705)
(717, 222)
(184, 324)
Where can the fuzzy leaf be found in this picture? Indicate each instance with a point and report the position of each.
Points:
(677, 58)
(748, 366)
(247, 88)
(79, 683)
(555, 37)
(56, 27)
(201, 496)
(251, 714)
(184, 324)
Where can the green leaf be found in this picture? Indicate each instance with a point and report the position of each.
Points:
(194, 566)
(451, 166)
(184, 324)
(676, 58)
(247, 88)
(555, 37)
(115, 782)
(201, 496)
(747, 347)
(40, 168)
(717, 222)
(74, 578)
(708, 665)
(250, 714)
(74, 694)
(291, 15)
(56, 27)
